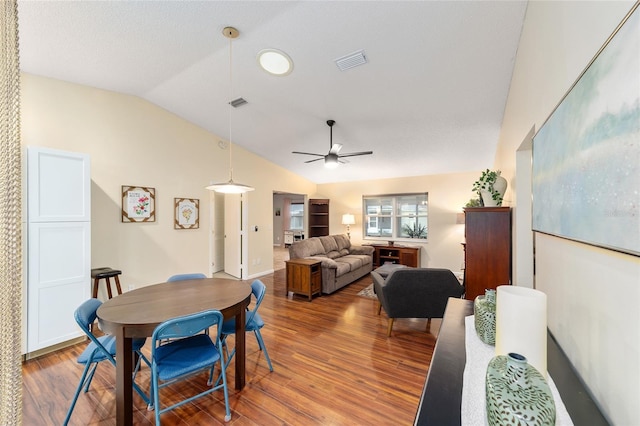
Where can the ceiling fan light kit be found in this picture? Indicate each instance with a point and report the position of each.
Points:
(230, 187)
(333, 157)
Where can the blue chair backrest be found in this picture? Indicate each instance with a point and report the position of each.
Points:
(185, 326)
(85, 315)
(183, 277)
(258, 289)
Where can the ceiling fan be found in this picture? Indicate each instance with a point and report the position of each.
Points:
(333, 157)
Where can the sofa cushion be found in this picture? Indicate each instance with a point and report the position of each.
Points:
(333, 254)
(344, 252)
(306, 248)
(354, 262)
(343, 268)
(329, 243)
(343, 242)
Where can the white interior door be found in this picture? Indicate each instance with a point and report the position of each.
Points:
(233, 235)
(216, 241)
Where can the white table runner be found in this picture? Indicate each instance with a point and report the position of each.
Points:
(473, 409)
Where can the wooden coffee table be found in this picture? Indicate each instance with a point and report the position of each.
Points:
(304, 276)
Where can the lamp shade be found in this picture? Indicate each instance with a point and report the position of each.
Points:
(348, 219)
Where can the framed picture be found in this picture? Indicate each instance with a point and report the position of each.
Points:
(585, 157)
(138, 204)
(187, 213)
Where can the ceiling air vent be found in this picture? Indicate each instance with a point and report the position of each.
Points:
(237, 102)
(351, 60)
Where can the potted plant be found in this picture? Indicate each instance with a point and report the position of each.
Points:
(490, 187)
(415, 231)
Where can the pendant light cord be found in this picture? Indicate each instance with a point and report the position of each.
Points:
(230, 108)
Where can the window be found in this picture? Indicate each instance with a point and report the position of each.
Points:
(296, 216)
(402, 216)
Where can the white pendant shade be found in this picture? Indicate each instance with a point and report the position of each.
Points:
(230, 187)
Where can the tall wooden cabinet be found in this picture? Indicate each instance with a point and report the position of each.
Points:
(487, 249)
(318, 217)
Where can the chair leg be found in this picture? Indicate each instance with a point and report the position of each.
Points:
(118, 284)
(428, 324)
(94, 293)
(379, 307)
(389, 327)
(109, 288)
(83, 379)
(263, 348)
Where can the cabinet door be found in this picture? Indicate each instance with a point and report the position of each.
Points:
(59, 269)
(59, 186)
(487, 250)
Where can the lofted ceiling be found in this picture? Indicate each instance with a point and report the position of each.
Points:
(430, 99)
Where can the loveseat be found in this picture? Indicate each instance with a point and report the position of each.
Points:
(342, 263)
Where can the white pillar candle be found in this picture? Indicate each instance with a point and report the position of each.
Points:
(521, 324)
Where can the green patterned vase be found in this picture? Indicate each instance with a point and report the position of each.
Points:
(484, 310)
(517, 394)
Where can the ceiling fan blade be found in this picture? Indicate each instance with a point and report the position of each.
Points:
(307, 153)
(353, 154)
(335, 148)
(315, 159)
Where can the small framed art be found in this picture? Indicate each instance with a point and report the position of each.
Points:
(138, 204)
(187, 213)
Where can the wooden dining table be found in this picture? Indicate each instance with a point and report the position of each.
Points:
(136, 313)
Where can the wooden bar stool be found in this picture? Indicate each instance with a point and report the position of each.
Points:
(105, 273)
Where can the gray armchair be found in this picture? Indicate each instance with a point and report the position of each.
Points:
(415, 292)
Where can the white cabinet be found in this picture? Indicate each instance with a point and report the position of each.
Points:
(58, 239)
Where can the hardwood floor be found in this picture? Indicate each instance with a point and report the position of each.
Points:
(333, 365)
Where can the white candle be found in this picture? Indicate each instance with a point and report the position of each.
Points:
(521, 324)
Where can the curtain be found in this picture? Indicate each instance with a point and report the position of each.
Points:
(286, 214)
(10, 219)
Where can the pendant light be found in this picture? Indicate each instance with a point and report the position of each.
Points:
(230, 187)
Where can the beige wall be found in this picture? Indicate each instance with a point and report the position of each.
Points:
(133, 142)
(447, 195)
(592, 292)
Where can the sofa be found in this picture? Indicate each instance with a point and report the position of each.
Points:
(342, 263)
(415, 292)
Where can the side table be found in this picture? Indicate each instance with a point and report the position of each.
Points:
(304, 276)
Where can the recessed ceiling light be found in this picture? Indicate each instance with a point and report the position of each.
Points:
(275, 62)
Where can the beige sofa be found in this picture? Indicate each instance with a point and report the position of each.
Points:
(342, 263)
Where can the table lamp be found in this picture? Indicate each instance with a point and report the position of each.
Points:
(348, 219)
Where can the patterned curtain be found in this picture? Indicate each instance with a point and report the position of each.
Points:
(10, 219)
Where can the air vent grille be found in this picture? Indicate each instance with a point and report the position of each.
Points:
(351, 60)
(237, 102)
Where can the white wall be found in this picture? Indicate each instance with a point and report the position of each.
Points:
(592, 292)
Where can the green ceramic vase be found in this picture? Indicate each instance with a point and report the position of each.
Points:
(484, 310)
(517, 394)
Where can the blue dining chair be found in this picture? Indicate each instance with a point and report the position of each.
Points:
(102, 348)
(183, 277)
(253, 322)
(188, 352)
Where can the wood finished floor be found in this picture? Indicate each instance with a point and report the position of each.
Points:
(333, 365)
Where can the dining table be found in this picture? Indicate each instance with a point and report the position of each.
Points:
(136, 313)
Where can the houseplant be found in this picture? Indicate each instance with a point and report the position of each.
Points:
(490, 187)
(415, 231)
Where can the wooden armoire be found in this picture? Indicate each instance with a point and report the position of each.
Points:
(487, 249)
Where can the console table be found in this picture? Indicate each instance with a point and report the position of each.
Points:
(404, 255)
(441, 398)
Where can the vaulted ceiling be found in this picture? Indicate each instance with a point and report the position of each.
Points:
(429, 100)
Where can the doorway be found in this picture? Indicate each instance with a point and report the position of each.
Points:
(228, 242)
(288, 224)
